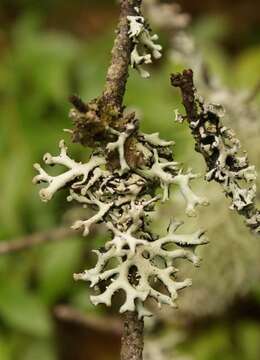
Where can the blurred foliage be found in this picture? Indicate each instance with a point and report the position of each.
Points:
(39, 69)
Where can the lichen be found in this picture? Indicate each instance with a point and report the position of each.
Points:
(124, 199)
(144, 44)
(221, 149)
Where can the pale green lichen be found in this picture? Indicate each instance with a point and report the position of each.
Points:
(123, 200)
(145, 49)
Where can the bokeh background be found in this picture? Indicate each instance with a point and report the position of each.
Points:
(51, 49)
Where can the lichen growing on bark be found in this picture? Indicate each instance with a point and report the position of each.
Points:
(124, 199)
(221, 149)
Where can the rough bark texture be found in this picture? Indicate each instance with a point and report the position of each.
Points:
(118, 70)
(91, 121)
(185, 82)
(132, 338)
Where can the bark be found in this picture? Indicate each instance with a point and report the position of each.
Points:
(132, 339)
(184, 81)
(117, 73)
(92, 119)
(90, 129)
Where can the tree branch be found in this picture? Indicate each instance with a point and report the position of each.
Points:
(91, 122)
(71, 315)
(219, 148)
(117, 73)
(26, 242)
(132, 339)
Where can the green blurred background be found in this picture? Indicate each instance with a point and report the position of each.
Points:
(50, 50)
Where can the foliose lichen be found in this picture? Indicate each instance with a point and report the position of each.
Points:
(124, 199)
(144, 44)
(221, 149)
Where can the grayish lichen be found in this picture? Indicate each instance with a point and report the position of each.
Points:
(214, 295)
(221, 149)
(241, 111)
(124, 200)
(145, 49)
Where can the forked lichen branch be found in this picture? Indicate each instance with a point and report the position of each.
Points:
(123, 201)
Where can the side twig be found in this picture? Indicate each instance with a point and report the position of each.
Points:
(27, 242)
(220, 149)
(71, 315)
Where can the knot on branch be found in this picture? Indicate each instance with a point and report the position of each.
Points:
(97, 124)
(91, 121)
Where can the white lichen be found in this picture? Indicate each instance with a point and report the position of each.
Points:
(229, 168)
(154, 139)
(221, 149)
(145, 48)
(89, 199)
(123, 199)
(192, 200)
(119, 145)
(75, 171)
(137, 270)
(167, 174)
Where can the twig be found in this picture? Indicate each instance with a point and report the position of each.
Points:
(117, 73)
(91, 120)
(107, 324)
(219, 147)
(132, 339)
(26, 242)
